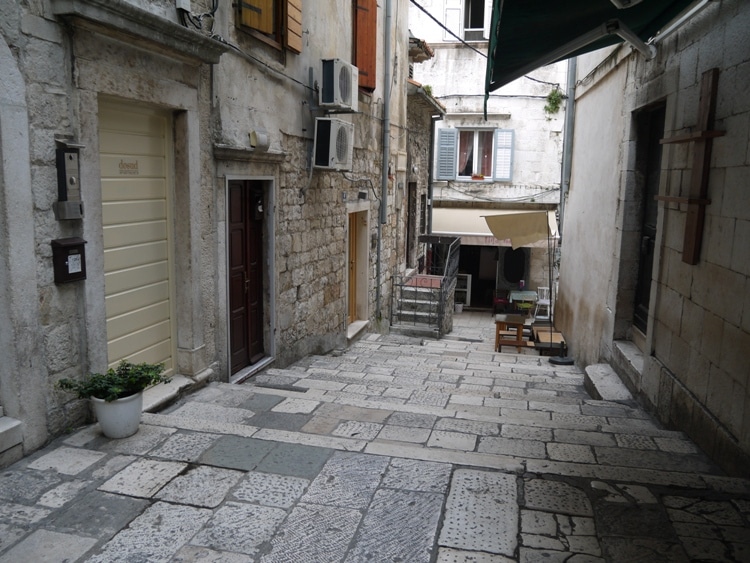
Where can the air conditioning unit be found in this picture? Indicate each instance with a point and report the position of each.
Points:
(339, 88)
(334, 144)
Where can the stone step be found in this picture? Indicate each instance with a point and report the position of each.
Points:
(602, 382)
(11, 449)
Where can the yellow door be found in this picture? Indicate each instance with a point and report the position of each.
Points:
(352, 306)
(135, 160)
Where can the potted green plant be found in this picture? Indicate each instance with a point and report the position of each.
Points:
(117, 395)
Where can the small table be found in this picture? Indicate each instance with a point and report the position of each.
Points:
(524, 300)
(509, 322)
(547, 339)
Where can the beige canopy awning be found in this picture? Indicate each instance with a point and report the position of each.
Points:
(523, 227)
(473, 226)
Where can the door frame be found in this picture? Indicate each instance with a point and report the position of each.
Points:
(362, 221)
(269, 277)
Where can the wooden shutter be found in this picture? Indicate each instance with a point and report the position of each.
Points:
(294, 25)
(446, 154)
(257, 14)
(504, 155)
(366, 31)
(454, 24)
(487, 17)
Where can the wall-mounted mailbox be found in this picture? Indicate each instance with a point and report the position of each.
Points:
(69, 259)
(69, 204)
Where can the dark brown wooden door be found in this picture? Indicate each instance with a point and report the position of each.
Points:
(245, 273)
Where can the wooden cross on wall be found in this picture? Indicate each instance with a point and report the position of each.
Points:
(703, 142)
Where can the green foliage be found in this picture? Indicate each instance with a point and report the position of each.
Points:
(122, 381)
(427, 88)
(554, 101)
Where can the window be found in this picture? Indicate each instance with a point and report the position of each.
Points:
(365, 41)
(468, 20)
(278, 22)
(474, 20)
(475, 154)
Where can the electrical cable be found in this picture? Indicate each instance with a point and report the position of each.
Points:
(469, 45)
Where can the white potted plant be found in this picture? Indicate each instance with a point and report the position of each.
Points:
(117, 395)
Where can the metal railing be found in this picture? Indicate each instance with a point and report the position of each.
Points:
(421, 298)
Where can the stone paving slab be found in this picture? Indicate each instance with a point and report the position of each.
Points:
(392, 450)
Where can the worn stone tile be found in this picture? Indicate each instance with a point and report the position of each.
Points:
(281, 420)
(481, 513)
(156, 535)
(398, 525)
(63, 493)
(584, 437)
(143, 478)
(296, 460)
(526, 432)
(412, 420)
(663, 461)
(112, 466)
(584, 544)
(417, 475)
(556, 496)
(542, 542)
(571, 452)
(398, 392)
(203, 485)
(468, 426)
(685, 509)
(9, 535)
(404, 434)
(449, 555)
(240, 527)
(140, 443)
(676, 445)
(321, 425)
(44, 545)
(296, 406)
(185, 446)
(642, 549)
(25, 486)
(532, 555)
(634, 441)
(347, 480)
(452, 440)
(196, 554)
(84, 436)
(68, 461)
(360, 430)
(261, 402)
(97, 514)
(269, 489)
(429, 398)
(22, 515)
(321, 533)
(511, 446)
(466, 400)
(235, 452)
(538, 523)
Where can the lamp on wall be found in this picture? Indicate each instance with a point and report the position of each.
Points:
(259, 140)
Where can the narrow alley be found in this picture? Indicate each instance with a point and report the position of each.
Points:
(397, 449)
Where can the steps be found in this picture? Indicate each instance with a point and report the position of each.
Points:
(11, 448)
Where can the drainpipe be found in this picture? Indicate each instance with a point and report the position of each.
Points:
(386, 148)
(567, 158)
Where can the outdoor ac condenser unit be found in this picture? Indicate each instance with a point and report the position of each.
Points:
(334, 144)
(339, 86)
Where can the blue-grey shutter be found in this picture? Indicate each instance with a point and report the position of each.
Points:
(504, 155)
(446, 154)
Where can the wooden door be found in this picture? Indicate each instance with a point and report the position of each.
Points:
(352, 298)
(245, 210)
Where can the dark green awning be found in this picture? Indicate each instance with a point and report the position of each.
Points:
(528, 34)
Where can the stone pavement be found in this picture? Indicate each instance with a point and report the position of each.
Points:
(396, 450)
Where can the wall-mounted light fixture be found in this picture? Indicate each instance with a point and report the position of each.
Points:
(259, 140)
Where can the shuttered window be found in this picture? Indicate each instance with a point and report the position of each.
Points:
(278, 21)
(504, 155)
(365, 35)
(446, 154)
(468, 159)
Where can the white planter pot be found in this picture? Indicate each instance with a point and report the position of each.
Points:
(119, 418)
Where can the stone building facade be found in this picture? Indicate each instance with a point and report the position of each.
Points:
(641, 285)
(517, 153)
(210, 240)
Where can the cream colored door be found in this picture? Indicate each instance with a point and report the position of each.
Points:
(135, 153)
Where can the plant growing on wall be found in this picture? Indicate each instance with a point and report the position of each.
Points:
(554, 101)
